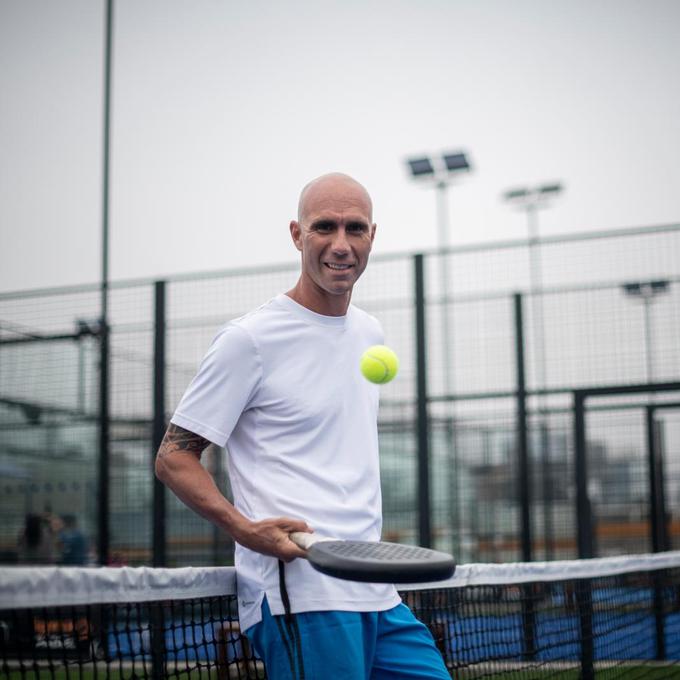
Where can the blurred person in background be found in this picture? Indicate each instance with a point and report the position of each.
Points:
(72, 542)
(37, 541)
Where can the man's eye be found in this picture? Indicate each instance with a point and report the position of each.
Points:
(357, 228)
(323, 228)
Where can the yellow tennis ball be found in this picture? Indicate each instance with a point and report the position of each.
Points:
(379, 364)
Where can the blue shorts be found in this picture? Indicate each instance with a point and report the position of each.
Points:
(336, 645)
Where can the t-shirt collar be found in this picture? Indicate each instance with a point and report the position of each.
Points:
(308, 315)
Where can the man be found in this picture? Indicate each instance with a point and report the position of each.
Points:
(281, 387)
(72, 542)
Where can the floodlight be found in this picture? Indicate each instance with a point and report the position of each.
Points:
(550, 189)
(516, 194)
(455, 162)
(421, 167)
(646, 289)
(632, 288)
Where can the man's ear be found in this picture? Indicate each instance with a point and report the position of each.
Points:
(374, 226)
(296, 234)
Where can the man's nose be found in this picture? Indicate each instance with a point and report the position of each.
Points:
(340, 243)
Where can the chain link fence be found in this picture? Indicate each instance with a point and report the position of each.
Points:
(596, 321)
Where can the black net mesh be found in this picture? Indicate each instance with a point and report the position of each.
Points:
(620, 625)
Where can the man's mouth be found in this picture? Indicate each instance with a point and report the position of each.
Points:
(337, 266)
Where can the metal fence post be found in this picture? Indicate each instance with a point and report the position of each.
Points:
(103, 495)
(159, 425)
(584, 524)
(656, 483)
(103, 473)
(657, 511)
(584, 601)
(523, 471)
(423, 424)
(584, 516)
(524, 482)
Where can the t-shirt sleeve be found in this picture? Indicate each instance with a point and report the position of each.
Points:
(223, 387)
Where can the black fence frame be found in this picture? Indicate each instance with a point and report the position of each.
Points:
(585, 520)
(585, 538)
(424, 401)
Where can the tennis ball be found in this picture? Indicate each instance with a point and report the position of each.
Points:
(379, 364)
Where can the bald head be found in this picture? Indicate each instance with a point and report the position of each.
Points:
(337, 185)
(334, 233)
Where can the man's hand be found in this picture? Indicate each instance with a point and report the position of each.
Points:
(271, 537)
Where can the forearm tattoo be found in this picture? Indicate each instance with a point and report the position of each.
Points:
(179, 440)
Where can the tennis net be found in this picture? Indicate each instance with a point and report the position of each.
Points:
(612, 617)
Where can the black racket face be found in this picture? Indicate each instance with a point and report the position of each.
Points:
(380, 562)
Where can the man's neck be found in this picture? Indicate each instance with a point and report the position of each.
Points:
(319, 301)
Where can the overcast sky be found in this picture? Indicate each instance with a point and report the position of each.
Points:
(223, 110)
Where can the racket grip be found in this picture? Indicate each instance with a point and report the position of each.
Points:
(302, 539)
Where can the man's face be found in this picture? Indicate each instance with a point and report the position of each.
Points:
(334, 234)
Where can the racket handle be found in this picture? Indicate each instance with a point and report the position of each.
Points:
(305, 541)
(302, 539)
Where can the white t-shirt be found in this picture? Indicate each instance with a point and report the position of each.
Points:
(281, 387)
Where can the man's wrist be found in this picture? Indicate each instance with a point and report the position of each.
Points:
(237, 526)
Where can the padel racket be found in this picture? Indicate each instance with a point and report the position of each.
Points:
(374, 561)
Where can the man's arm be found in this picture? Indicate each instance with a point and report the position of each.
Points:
(178, 466)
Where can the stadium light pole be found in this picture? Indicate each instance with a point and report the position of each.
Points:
(531, 200)
(103, 483)
(647, 292)
(440, 172)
